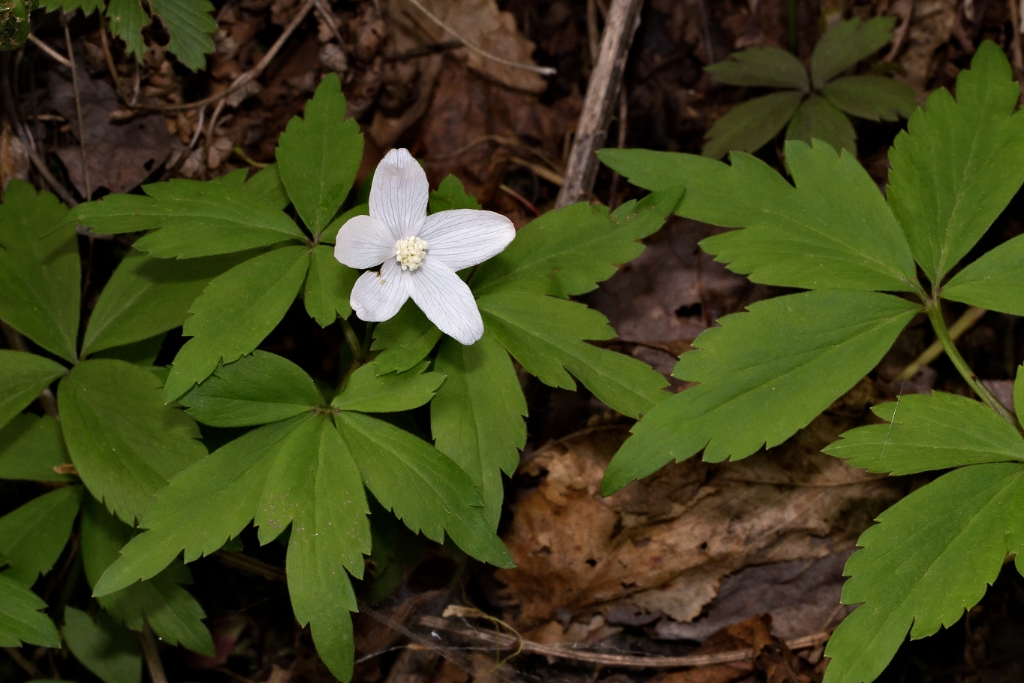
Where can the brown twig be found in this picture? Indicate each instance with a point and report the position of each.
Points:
(151, 654)
(109, 57)
(542, 70)
(1016, 52)
(613, 191)
(78, 107)
(251, 564)
(602, 92)
(900, 36)
(49, 51)
(329, 19)
(506, 642)
(26, 664)
(964, 323)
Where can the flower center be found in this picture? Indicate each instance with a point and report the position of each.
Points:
(410, 252)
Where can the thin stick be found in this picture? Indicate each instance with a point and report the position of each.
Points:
(1016, 51)
(49, 51)
(252, 565)
(151, 654)
(542, 70)
(109, 56)
(26, 664)
(964, 323)
(507, 642)
(78, 108)
(329, 19)
(602, 92)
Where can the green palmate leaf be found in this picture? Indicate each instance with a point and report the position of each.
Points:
(234, 178)
(190, 24)
(750, 126)
(33, 536)
(267, 184)
(108, 650)
(872, 97)
(546, 335)
(171, 611)
(253, 390)
(330, 533)
(124, 442)
(404, 340)
(30, 447)
(39, 270)
(833, 230)
(847, 43)
(818, 119)
(328, 287)
(127, 19)
(930, 557)
(202, 507)
(190, 218)
(567, 252)
(87, 6)
(23, 376)
(758, 387)
(764, 67)
(318, 155)
(956, 167)
(423, 487)
(477, 416)
(235, 313)
(366, 392)
(994, 281)
(451, 194)
(20, 618)
(287, 491)
(146, 296)
(930, 433)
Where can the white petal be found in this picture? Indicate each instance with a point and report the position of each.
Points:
(364, 242)
(376, 297)
(446, 301)
(465, 237)
(399, 194)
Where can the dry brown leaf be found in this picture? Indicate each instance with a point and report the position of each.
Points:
(14, 158)
(664, 544)
(931, 26)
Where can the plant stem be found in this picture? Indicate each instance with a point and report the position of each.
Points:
(353, 341)
(964, 323)
(151, 654)
(934, 309)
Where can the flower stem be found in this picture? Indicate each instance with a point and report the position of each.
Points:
(353, 341)
(942, 332)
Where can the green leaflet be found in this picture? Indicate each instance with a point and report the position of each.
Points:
(833, 230)
(394, 463)
(287, 490)
(328, 287)
(404, 340)
(235, 313)
(189, 218)
(847, 43)
(477, 416)
(332, 533)
(994, 281)
(366, 392)
(957, 165)
(818, 119)
(190, 24)
(758, 387)
(750, 126)
(761, 67)
(20, 618)
(171, 611)
(451, 194)
(123, 440)
(146, 296)
(318, 156)
(106, 649)
(876, 98)
(39, 270)
(23, 376)
(929, 557)
(546, 335)
(201, 508)
(253, 390)
(33, 536)
(930, 433)
(567, 252)
(30, 447)
(127, 19)
(267, 184)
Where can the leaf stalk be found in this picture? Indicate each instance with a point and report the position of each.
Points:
(934, 310)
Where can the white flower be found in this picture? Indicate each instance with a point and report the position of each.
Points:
(418, 254)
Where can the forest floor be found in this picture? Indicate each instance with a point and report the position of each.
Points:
(700, 560)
